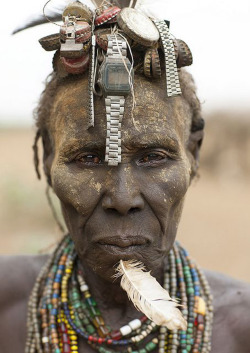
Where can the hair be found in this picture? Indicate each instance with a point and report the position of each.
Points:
(43, 111)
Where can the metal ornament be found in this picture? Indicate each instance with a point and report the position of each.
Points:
(114, 114)
(76, 66)
(147, 63)
(156, 64)
(172, 77)
(108, 15)
(51, 42)
(185, 57)
(91, 83)
(70, 48)
(115, 60)
(152, 66)
(78, 10)
(138, 27)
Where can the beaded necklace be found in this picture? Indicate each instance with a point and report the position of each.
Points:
(61, 310)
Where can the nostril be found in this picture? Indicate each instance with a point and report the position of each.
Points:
(133, 210)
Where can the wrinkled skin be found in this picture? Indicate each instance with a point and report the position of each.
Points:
(131, 211)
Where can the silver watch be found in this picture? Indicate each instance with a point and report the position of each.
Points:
(115, 81)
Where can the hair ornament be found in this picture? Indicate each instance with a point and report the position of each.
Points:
(108, 41)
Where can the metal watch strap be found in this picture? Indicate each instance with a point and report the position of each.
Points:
(114, 114)
(117, 47)
(172, 77)
(91, 84)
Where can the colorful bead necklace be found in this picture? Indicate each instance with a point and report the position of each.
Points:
(61, 311)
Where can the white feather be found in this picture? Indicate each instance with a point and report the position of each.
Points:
(149, 297)
(157, 9)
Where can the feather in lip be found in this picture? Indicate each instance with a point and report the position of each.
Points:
(148, 296)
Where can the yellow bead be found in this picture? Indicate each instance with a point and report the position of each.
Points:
(73, 337)
(74, 347)
(201, 308)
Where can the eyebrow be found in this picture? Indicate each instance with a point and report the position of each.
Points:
(70, 147)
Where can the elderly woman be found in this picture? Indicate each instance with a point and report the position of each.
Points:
(121, 146)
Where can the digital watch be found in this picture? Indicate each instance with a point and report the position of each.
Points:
(115, 80)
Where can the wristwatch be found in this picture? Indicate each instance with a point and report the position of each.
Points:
(115, 80)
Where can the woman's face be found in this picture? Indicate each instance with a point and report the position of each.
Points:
(130, 211)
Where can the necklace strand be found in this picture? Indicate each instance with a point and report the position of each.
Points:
(61, 311)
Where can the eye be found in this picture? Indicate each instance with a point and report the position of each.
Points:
(152, 158)
(88, 159)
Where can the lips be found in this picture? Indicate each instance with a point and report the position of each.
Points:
(123, 242)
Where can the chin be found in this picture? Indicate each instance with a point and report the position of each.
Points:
(102, 259)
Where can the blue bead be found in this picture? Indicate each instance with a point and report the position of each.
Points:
(54, 312)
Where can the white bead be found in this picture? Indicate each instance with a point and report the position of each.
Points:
(84, 287)
(135, 324)
(45, 339)
(125, 330)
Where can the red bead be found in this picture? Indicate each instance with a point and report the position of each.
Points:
(143, 319)
(116, 335)
(109, 341)
(90, 338)
(95, 339)
(100, 340)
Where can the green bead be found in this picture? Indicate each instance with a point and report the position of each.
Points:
(150, 346)
(85, 321)
(77, 305)
(94, 311)
(142, 351)
(189, 347)
(57, 350)
(75, 295)
(90, 329)
(190, 291)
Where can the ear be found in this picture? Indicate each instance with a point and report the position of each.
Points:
(194, 145)
(48, 155)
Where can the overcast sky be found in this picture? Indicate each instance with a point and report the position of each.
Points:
(217, 32)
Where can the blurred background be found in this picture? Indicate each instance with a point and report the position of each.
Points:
(215, 227)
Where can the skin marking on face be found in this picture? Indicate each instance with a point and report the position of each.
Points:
(131, 211)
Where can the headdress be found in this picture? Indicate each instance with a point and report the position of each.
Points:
(114, 42)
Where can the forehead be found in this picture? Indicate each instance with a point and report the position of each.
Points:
(150, 118)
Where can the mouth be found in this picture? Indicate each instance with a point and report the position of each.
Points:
(123, 244)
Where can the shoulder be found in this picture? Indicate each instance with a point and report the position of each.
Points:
(17, 276)
(231, 313)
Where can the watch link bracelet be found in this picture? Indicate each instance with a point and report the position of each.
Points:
(172, 77)
(115, 81)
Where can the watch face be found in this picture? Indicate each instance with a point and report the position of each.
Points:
(116, 78)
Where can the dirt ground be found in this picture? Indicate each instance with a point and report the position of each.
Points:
(215, 226)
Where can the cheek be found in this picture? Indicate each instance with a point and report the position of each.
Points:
(79, 190)
(166, 188)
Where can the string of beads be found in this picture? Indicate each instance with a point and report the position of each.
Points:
(61, 311)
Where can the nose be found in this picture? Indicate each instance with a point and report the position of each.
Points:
(123, 194)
